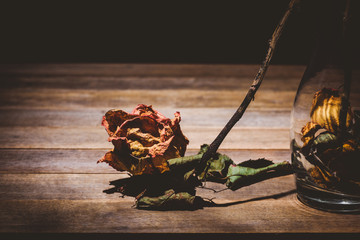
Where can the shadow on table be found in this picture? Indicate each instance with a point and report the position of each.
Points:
(274, 196)
(177, 198)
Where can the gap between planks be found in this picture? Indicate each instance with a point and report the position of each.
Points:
(157, 70)
(96, 137)
(91, 186)
(108, 99)
(192, 117)
(84, 160)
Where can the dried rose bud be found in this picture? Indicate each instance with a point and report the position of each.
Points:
(143, 140)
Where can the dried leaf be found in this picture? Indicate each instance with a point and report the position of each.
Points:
(239, 176)
(217, 166)
(258, 163)
(325, 138)
(171, 201)
(325, 141)
(344, 160)
(216, 170)
(322, 178)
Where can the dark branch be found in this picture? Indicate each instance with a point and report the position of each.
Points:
(251, 93)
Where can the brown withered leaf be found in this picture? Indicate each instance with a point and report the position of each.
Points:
(344, 160)
(308, 132)
(322, 178)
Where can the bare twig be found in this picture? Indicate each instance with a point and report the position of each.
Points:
(251, 93)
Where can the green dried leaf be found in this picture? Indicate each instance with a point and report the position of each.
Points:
(325, 141)
(203, 148)
(239, 176)
(259, 163)
(171, 201)
(216, 168)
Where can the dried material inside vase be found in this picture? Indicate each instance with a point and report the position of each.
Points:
(330, 156)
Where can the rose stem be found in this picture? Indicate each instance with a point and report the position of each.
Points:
(347, 71)
(251, 93)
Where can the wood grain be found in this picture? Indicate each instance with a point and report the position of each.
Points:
(51, 138)
(90, 215)
(45, 202)
(146, 70)
(96, 137)
(108, 99)
(74, 86)
(84, 160)
(190, 117)
(91, 186)
(140, 82)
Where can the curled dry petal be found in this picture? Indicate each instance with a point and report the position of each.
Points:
(325, 114)
(308, 132)
(325, 110)
(143, 140)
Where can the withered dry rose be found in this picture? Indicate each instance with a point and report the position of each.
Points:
(324, 114)
(339, 157)
(143, 140)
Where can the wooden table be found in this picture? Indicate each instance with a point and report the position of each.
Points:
(51, 137)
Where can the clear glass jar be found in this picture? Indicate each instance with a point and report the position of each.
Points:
(325, 123)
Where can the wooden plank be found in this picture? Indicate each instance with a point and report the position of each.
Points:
(146, 70)
(117, 216)
(145, 82)
(91, 186)
(96, 137)
(201, 117)
(84, 161)
(38, 203)
(51, 139)
(24, 98)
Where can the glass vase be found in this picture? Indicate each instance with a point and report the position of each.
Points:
(325, 125)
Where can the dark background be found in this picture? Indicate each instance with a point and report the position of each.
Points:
(154, 32)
